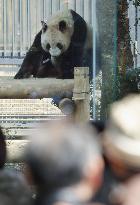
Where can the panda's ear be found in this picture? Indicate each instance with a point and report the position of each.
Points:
(62, 26)
(44, 26)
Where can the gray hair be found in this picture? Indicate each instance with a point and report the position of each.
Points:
(62, 152)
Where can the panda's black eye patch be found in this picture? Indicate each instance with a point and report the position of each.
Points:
(62, 26)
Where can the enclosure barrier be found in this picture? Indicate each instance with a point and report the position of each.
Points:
(20, 21)
(39, 88)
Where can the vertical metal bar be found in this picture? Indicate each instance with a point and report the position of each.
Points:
(87, 10)
(20, 27)
(94, 57)
(55, 6)
(59, 4)
(51, 7)
(30, 33)
(79, 7)
(17, 29)
(13, 27)
(64, 4)
(48, 9)
(40, 14)
(82, 8)
(36, 15)
(7, 33)
(72, 4)
(1, 37)
(28, 23)
(4, 27)
(10, 27)
(27, 12)
(24, 26)
(44, 6)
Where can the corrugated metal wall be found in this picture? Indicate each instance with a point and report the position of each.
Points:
(20, 21)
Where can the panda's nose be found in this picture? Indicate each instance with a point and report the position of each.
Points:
(59, 45)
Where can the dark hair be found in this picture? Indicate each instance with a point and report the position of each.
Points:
(2, 149)
(57, 156)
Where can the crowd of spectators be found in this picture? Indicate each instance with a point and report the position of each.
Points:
(79, 164)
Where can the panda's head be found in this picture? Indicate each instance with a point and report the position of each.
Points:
(57, 33)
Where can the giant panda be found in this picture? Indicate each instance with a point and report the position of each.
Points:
(64, 42)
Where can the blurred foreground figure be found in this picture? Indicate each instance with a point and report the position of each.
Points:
(121, 143)
(122, 136)
(2, 149)
(65, 163)
(13, 189)
(127, 193)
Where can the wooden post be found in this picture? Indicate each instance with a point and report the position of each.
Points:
(81, 94)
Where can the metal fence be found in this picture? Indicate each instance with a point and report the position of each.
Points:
(20, 21)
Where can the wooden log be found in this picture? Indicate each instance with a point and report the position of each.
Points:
(15, 150)
(34, 88)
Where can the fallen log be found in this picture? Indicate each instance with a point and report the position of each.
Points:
(34, 88)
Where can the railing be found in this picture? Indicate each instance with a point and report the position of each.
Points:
(20, 21)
